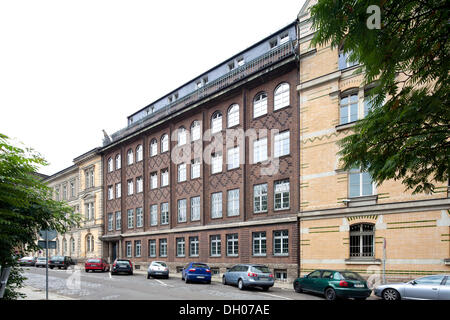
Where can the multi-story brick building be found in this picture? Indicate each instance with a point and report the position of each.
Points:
(346, 219)
(81, 186)
(195, 176)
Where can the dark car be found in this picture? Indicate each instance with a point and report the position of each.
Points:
(27, 261)
(196, 272)
(249, 275)
(96, 264)
(122, 266)
(61, 262)
(334, 284)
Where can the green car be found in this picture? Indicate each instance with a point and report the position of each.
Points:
(334, 284)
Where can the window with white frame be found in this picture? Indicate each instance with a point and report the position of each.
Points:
(233, 158)
(182, 207)
(118, 162)
(360, 184)
(233, 116)
(344, 60)
(72, 189)
(139, 153)
(282, 195)
(130, 157)
(195, 208)
(130, 218)
(233, 245)
(259, 244)
(110, 192)
(216, 122)
(139, 218)
(216, 205)
(282, 96)
(118, 190)
(89, 178)
(182, 136)
(260, 198)
(182, 172)
(128, 246)
(260, 105)
(260, 150)
(164, 177)
(181, 247)
(139, 185)
(89, 243)
(349, 108)
(193, 246)
(118, 220)
(153, 215)
(163, 247)
(110, 165)
(137, 248)
(368, 104)
(233, 203)
(152, 248)
(281, 243)
(164, 143)
(130, 187)
(362, 239)
(164, 213)
(196, 133)
(89, 211)
(153, 148)
(216, 246)
(216, 162)
(195, 169)
(153, 180)
(110, 222)
(282, 144)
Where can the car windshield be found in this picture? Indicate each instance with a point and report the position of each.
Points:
(41, 259)
(348, 275)
(159, 264)
(57, 258)
(260, 269)
(199, 265)
(27, 258)
(94, 261)
(123, 263)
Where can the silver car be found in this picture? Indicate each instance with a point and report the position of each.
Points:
(41, 262)
(435, 287)
(158, 268)
(249, 275)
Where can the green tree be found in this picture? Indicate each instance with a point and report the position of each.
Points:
(26, 207)
(406, 136)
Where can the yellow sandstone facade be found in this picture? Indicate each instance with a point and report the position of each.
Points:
(346, 221)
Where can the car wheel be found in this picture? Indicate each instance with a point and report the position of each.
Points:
(186, 280)
(360, 299)
(241, 284)
(298, 287)
(330, 294)
(265, 288)
(148, 276)
(224, 281)
(86, 270)
(390, 294)
(208, 282)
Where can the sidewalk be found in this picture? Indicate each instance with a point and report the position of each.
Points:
(37, 294)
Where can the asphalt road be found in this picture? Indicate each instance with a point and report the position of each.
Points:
(77, 284)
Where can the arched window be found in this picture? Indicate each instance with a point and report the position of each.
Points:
(130, 157)
(282, 94)
(153, 148)
(182, 136)
(118, 162)
(164, 143)
(233, 116)
(195, 131)
(260, 105)
(89, 243)
(72, 246)
(216, 122)
(349, 108)
(362, 239)
(110, 165)
(139, 153)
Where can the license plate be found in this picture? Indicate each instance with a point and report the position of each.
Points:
(200, 277)
(359, 286)
(263, 278)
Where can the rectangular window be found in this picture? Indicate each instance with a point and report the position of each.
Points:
(118, 220)
(260, 150)
(137, 248)
(282, 144)
(163, 247)
(215, 246)
(232, 245)
(280, 275)
(72, 189)
(233, 203)
(195, 169)
(130, 187)
(362, 241)
(195, 209)
(130, 215)
(110, 193)
(216, 205)
(260, 198)
(110, 221)
(139, 218)
(344, 61)
(233, 158)
(118, 190)
(349, 109)
(164, 213)
(216, 162)
(182, 172)
(259, 244)
(182, 210)
(154, 215)
(360, 184)
(281, 243)
(153, 180)
(89, 211)
(193, 246)
(281, 195)
(164, 178)
(128, 246)
(152, 248)
(139, 185)
(181, 247)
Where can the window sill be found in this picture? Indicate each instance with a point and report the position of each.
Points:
(362, 201)
(281, 108)
(356, 261)
(345, 126)
(447, 262)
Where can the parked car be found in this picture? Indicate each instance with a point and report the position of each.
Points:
(158, 268)
(96, 264)
(40, 262)
(122, 266)
(27, 261)
(249, 275)
(436, 287)
(334, 284)
(63, 262)
(196, 272)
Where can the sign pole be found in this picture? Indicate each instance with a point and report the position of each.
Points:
(384, 261)
(46, 265)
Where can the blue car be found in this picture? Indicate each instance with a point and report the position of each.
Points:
(196, 272)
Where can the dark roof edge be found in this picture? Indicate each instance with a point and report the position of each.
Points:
(59, 173)
(87, 154)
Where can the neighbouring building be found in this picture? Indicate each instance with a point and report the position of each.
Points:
(346, 220)
(81, 186)
(180, 187)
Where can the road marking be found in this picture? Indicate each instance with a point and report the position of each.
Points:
(274, 295)
(162, 283)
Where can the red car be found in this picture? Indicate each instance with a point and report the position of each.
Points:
(96, 264)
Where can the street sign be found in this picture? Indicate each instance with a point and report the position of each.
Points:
(43, 244)
(48, 234)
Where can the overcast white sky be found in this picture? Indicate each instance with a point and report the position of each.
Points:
(69, 69)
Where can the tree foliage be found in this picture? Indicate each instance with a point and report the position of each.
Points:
(26, 207)
(406, 136)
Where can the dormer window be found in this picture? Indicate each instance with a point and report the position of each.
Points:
(240, 62)
(273, 43)
(284, 38)
(231, 65)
